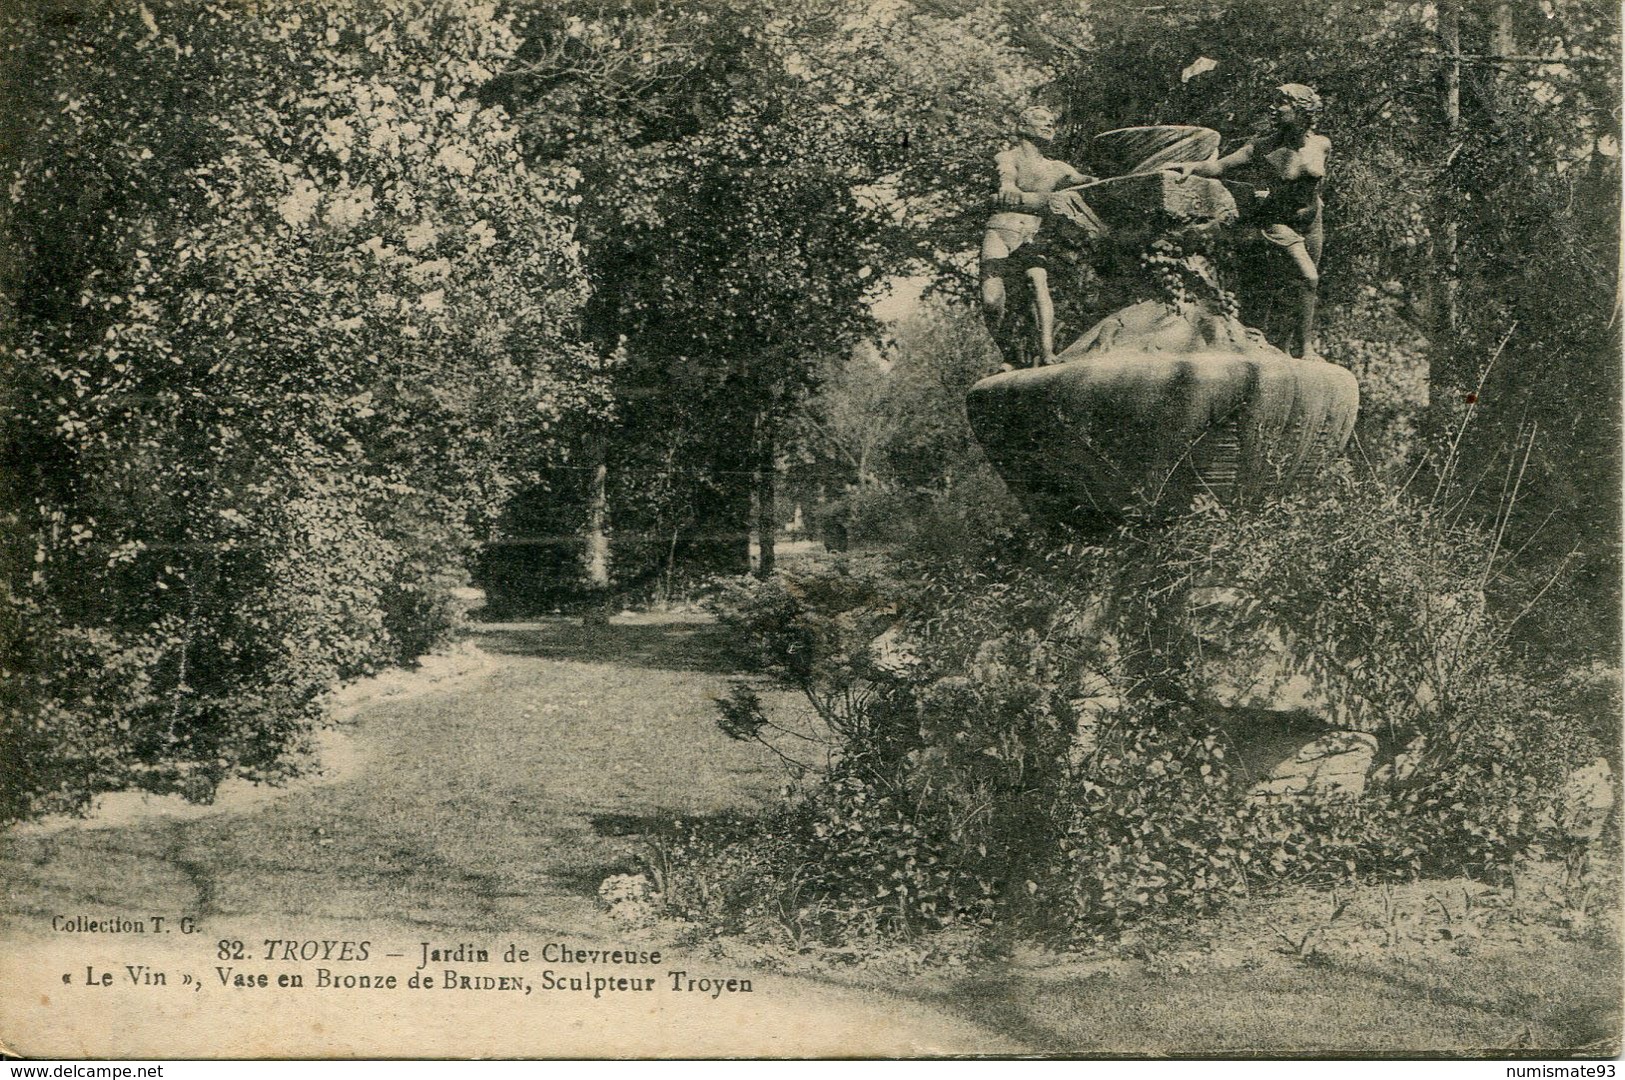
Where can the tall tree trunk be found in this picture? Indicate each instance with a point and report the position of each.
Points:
(595, 553)
(596, 556)
(1447, 251)
(1503, 41)
(766, 495)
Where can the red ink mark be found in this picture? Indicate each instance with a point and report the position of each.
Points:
(1472, 399)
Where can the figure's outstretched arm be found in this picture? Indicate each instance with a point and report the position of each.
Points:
(1074, 177)
(1214, 167)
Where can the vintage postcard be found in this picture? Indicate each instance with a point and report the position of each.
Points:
(810, 529)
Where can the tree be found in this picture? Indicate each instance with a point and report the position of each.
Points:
(845, 426)
(886, 434)
(1532, 192)
(938, 85)
(730, 239)
(287, 319)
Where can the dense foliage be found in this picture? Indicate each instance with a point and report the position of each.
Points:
(285, 318)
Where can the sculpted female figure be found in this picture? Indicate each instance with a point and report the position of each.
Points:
(1011, 242)
(1289, 217)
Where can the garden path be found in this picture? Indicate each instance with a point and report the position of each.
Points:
(483, 803)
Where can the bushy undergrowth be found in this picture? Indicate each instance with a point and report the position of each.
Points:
(1038, 739)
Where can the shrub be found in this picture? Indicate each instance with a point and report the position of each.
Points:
(1036, 737)
(965, 512)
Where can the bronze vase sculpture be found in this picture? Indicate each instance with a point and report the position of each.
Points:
(1169, 398)
(1168, 410)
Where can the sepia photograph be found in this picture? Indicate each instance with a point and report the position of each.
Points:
(810, 529)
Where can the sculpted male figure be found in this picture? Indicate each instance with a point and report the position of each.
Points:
(1294, 156)
(1011, 243)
